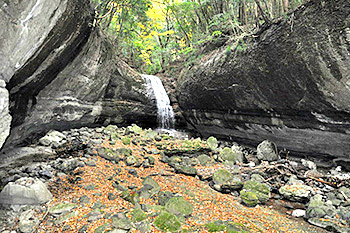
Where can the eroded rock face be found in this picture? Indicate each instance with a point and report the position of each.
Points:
(5, 116)
(62, 73)
(290, 84)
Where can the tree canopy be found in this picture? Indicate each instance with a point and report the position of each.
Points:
(154, 33)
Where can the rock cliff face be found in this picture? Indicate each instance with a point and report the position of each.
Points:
(61, 73)
(290, 84)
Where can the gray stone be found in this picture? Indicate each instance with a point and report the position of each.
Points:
(226, 181)
(121, 222)
(25, 191)
(150, 188)
(298, 213)
(62, 208)
(52, 138)
(27, 221)
(296, 192)
(319, 209)
(267, 151)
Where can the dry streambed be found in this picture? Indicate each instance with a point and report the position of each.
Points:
(129, 179)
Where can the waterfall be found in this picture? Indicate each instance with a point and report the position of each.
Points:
(165, 111)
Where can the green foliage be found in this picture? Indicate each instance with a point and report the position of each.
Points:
(152, 33)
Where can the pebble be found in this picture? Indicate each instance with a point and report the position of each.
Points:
(298, 213)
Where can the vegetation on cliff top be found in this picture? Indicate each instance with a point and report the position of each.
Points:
(152, 33)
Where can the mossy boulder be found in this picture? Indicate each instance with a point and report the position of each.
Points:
(167, 222)
(179, 206)
(186, 169)
(226, 181)
(111, 129)
(134, 129)
(227, 154)
(103, 228)
(131, 160)
(205, 160)
(149, 189)
(212, 143)
(121, 222)
(61, 208)
(296, 192)
(249, 198)
(262, 191)
(317, 208)
(137, 215)
(126, 140)
(130, 196)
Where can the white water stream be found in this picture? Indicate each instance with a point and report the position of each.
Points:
(165, 111)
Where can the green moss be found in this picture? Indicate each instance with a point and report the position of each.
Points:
(62, 208)
(138, 215)
(167, 222)
(214, 227)
(179, 206)
(262, 191)
(126, 140)
(227, 155)
(212, 143)
(249, 198)
(222, 176)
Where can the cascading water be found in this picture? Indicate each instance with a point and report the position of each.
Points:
(165, 111)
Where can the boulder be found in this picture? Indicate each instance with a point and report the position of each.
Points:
(262, 191)
(167, 222)
(120, 221)
(53, 138)
(319, 209)
(179, 206)
(137, 215)
(212, 143)
(27, 221)
(62, 208)
(249, 198)
(225, 181)
(267, 151)
(296, 192)
(150, 188)
(25, 191)
(227, 154)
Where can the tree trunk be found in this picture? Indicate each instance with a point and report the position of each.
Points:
(289, 84)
